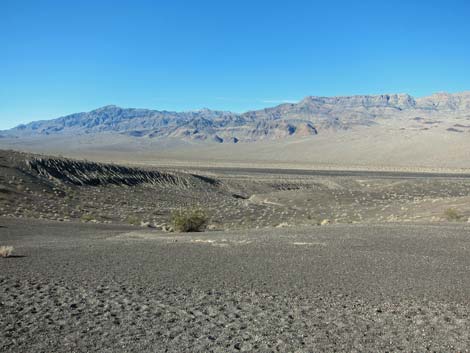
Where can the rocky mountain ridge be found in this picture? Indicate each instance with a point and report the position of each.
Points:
(309, 117)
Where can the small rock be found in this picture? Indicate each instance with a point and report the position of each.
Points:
(243, 347)
(325, 222)
(282, 225)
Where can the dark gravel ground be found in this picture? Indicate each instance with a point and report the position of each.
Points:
(353, 288)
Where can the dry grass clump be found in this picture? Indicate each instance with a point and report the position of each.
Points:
(189, 220)
(6, 251)
(451, 214)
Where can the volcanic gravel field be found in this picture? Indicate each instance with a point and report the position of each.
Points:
(76, 287)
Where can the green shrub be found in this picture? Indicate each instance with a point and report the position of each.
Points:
(189, 220)
(451, 214)
(132, 220)
(87, 217)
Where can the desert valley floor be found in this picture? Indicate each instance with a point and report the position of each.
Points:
(292, 260)
(344, 288)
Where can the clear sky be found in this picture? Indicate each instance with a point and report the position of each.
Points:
(60, 57)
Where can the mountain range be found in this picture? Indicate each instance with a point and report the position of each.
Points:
(305, 119)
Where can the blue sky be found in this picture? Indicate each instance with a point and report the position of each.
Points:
(61, 57)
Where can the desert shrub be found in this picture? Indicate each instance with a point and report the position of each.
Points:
(6, 251)
(132, 220)
(87, 217)
(451, 214)
(189, 220)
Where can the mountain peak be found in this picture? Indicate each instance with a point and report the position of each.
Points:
(107, 107)
(310, 116)
(401, 100)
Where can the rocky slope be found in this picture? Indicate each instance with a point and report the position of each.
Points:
(309, 117)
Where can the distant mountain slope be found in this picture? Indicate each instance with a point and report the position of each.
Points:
(309, 117)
